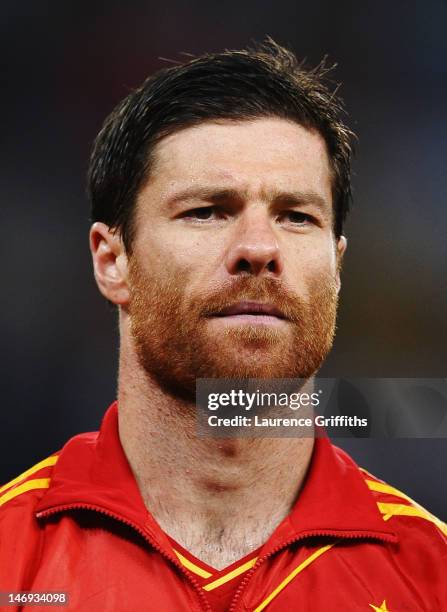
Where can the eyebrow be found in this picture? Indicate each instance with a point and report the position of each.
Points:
(278, 197)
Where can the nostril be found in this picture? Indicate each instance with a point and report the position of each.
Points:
(244, 265)
(271, 266)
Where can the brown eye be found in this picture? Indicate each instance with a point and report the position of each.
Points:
(204, 213)
(297, 217)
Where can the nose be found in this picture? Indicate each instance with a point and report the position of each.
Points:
(254, 248)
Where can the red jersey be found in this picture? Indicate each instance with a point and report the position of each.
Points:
(76, 522)
(220, 585)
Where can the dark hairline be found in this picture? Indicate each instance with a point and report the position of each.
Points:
(262, 81)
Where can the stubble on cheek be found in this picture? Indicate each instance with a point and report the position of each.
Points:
(162, 328)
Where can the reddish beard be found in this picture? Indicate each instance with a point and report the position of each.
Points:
(174, 345)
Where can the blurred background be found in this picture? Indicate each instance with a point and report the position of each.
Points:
(65, 66)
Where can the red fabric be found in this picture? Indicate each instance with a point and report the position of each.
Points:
(90, 534)
(220, 596)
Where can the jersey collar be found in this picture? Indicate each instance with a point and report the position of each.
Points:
(93, 472)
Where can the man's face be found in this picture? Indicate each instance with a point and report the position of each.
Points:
(234, 269)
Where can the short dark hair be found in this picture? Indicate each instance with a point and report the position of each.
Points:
(262, 81)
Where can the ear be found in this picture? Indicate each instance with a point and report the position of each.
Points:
(109, 263)
(342, 244)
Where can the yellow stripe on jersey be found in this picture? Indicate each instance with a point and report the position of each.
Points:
(37, 483)
(402, 509)
(389, 510)
(39, 466)
(382, 487)
(292, 575)
(192, 566)
(236, 572)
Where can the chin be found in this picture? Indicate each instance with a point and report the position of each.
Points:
(260, 364)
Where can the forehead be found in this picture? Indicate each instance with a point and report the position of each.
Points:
(251, 155)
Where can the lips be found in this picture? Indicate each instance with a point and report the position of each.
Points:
(251, 308)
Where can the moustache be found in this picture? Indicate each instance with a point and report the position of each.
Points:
(263, 290)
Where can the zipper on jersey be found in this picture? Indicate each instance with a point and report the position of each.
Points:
(203, 602)
(340, 536)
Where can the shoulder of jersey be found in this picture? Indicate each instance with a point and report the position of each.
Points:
(29, 486)
(398, 507)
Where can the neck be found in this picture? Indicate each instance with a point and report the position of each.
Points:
(219, 498)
